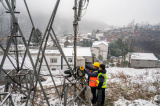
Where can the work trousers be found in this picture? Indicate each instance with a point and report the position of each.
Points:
(93, 90)
(101, 97)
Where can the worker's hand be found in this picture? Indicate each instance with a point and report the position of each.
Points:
(81, 68)
(86, 69)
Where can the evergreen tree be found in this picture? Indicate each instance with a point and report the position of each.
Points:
(34, 37)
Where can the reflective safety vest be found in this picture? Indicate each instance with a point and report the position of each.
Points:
(92, 81)
(104, 81)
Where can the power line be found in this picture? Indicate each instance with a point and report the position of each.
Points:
(19, 62)
(13, 79)
(83, 7)
(4, 5)
(78, 3)
(84, 12)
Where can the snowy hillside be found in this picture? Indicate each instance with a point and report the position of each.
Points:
(133, 87)
(125, 87)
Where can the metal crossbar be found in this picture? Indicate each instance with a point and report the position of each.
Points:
(8, 96)
(35, 79)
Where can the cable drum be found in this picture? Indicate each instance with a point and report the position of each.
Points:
(80, 73)
(67, 73)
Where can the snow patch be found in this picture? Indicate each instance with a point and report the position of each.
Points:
(139, 102)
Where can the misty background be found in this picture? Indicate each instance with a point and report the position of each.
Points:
(100, 14)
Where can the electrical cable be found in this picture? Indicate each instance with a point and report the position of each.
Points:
(2, 88)
(16, 59)
(6, 35)
(20, 62)
(85, 9)
(84, 13)
(14, 81)
(3, 37)
(82, 4)
(25, 64)
(10, 77)
(86, 6)
(4, 5)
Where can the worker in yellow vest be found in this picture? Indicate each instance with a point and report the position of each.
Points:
(92, 73)
(101, 84)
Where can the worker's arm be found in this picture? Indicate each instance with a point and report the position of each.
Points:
(101, 79)
(88, 67)
(95, 74)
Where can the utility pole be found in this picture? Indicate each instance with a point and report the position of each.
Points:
(15, 34)
(75, 24)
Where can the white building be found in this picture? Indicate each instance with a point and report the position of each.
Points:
(84, 55)
(54, 58)
(95, 52)
(143, 60)
(99, 35)
(56, 61)
(100, 48)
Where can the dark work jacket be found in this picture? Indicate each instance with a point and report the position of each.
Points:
(91, 74)
(101, 78)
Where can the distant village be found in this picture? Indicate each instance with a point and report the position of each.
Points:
(108, 47)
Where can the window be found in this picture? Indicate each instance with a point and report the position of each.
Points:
(53, 60)
(53, 68)
(70, 60)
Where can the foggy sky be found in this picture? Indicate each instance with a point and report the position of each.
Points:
(111, 12)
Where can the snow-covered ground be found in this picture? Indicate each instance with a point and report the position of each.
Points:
(122, 83)
(139, 102)
(146, 79)
(135, 75)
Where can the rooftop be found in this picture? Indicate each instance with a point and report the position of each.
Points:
(35, 51)
(81, 51)
(95, 43)
(8, 66)
(143, 56)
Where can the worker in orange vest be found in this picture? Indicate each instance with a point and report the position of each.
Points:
(92, 73)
